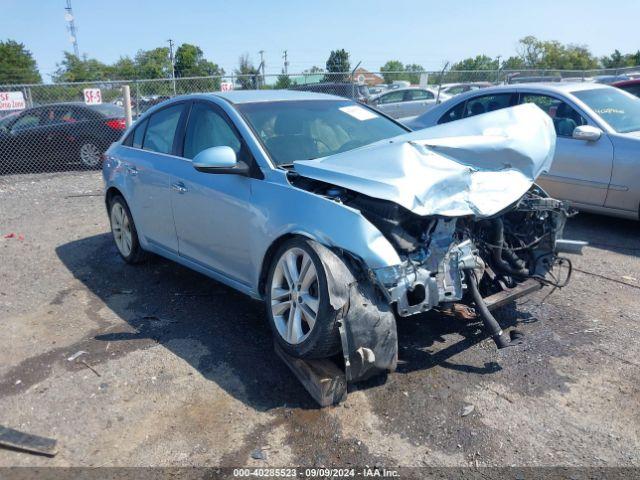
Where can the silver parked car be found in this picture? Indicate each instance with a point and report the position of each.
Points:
(405, 102)
(337, 216)
(597, 160)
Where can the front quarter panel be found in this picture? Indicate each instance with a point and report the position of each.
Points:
(282, 209)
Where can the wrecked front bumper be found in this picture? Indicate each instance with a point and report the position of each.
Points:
(487, 252)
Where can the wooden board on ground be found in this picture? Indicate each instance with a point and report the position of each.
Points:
(25, 441)
(323, 379)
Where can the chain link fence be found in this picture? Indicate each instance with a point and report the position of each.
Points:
(67, 126)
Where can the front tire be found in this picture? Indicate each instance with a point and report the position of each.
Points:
(297, 299)
(124, 231)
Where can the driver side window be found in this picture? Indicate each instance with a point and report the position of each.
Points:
(207, 128)
(565, 118)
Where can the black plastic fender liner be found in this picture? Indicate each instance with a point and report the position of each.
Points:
(367, 325)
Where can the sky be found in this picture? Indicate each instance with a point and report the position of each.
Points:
(425, 32)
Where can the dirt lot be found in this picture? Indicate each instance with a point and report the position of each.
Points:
(183, 371)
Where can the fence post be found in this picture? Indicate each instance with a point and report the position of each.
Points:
(126, 95)
(137, 98)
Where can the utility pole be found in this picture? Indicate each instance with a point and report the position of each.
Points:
(498, 74)
(173, 70)
(68, 16)
(261, 67)
(286, 63)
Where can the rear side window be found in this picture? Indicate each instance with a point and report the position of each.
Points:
(138, 135)
(207, 128)
(162, 129)
(453, 114)
(489, 103)
(413, 95)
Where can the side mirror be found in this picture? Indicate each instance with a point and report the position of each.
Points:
(587, 133)
(219, 160)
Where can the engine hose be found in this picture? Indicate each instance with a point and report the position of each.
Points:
(514, 266)
(489, 321)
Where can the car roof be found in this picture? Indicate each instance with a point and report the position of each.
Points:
(551, 87)
(403, 89)
(253, 96)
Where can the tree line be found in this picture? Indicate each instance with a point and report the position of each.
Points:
(17, 64)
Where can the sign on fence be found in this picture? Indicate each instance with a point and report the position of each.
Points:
(12, 101)
(92, 96)
(226, 86)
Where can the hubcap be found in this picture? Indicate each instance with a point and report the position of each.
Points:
(121, 228)
(89, 154)
(295, 295)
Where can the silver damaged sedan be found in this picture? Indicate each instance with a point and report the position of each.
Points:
(337, 216)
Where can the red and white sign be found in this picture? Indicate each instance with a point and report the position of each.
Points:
(226, 86)
(92, 96)
(12, 101)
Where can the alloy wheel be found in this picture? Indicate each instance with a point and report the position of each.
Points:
(90, 155)
(121, 228)
(295, 295)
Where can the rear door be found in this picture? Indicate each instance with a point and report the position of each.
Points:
(149, 164)
(212, 211)
(581, 171)
(416, 102)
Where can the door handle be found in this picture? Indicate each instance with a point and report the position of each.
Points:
(179, 187)
(132, 170)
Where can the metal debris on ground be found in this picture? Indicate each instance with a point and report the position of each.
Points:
(76, 355)
(466, 410)
(258, 454)
(14, 439)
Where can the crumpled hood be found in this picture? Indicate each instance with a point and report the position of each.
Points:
(475, 166)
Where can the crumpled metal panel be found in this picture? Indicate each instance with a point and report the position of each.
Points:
(475, 166)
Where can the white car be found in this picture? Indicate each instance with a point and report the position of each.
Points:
(406, 102)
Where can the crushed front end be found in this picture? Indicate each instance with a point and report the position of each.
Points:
(470, 259)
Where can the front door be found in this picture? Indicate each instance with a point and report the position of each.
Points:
(149, 165)
(212, 211)
(581, 170)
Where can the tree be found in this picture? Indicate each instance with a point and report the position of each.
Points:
(413, 72)
(247, 72)
(551, 54)
(17, 64)
(313, 70)
(338, 66)
(479, 62)
(392, 70)
(123, 69)
(283, 81)
(618, 60)
(153, 63)
(190, 62)
(74, 69)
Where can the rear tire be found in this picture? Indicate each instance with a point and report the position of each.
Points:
(297, 300)
(90, 154)
(124, 231)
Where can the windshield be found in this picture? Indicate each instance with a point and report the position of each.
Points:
(306, 129)
(620, 110)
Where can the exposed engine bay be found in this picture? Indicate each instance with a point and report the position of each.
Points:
(447, 260)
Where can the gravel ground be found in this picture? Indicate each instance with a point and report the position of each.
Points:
(179, 370)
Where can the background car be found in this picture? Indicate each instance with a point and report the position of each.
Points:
(359, 93)
(452, 89)
(404, 102)
(631, 86)
(59, 133)
(598, 139)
